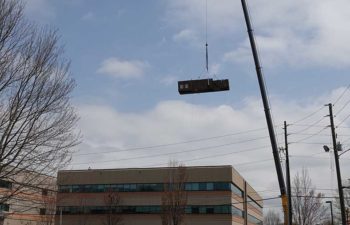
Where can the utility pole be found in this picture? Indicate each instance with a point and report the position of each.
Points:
(336, 158)
(289, 192)
(267, 110)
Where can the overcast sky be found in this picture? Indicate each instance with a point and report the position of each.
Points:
(127, 57)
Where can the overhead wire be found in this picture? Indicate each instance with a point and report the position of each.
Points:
(341, 96)
(165, 154)
(196, 149)
(308, 116)
(342, 121)
(342, 108)
(172, 144)
(309, 126)
(310, 136)
(235, 164)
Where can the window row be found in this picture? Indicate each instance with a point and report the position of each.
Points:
(254, 203)
(253, 220)
(190, 186)
(216, 209)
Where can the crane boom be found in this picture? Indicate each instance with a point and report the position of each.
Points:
(266, 109)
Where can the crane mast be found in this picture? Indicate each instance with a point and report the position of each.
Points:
(267, 111)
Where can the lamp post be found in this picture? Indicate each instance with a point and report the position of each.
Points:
(330, 202)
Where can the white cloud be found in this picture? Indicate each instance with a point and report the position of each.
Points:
(299, 33)
(122, 68)
(211, 136)
(185, 35)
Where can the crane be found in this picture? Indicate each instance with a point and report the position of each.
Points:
(267, 113)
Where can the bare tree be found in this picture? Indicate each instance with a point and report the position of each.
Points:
(37, 120)
(272, 218)
(48, 210)
(112, 202)
(306, 203)
(174, 198)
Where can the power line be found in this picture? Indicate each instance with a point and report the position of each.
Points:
(342, 108)
(343, 120)
(309, 143)
(346, 89)
(307, 134)
(308, 116)
(309, 126)
(171, 144)
(172, 153)
(220, 155)
(308, 137)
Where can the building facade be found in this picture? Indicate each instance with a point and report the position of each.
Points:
(214, 196)
(28, 198)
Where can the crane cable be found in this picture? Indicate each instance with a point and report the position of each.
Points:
(206, 37)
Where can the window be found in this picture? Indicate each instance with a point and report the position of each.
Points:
(210, 186)
(254, 220)
(4, 207)
(195, 210)
(75, 188)
(65, 188)
(132, 187)
(44, 192)
(195, 187)
(202, 186)
(42, 211)
(237, 212)
(202, 210)
(222, 186)
(100, 188)
(5, 184)
(254, 203)
(210, 210)
(236, 190)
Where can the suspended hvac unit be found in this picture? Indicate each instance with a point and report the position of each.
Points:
(202, 86)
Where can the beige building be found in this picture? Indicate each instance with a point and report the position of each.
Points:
(215, 196)
(28, 199)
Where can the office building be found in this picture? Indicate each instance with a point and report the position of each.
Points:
(214, 196)
(28, 198)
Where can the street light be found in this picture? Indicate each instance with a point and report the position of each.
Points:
(330, 202)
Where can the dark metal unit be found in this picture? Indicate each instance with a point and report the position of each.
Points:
(202, 86)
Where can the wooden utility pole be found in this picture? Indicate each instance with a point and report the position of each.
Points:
(336, 158)
(289, 191)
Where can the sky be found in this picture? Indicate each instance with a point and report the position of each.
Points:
(127, 56)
